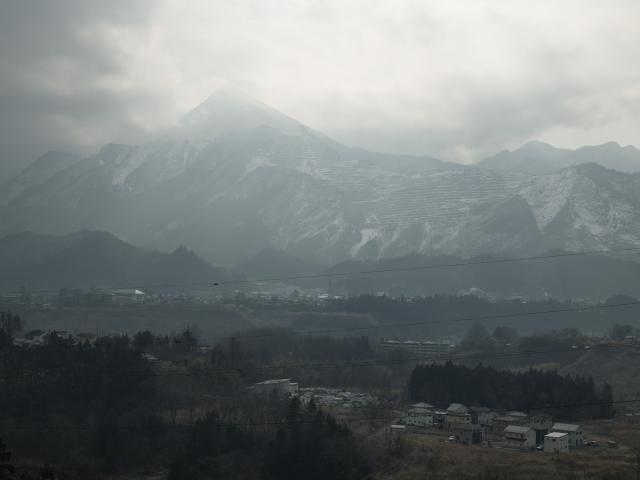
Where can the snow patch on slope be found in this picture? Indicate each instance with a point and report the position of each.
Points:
(366, 235)
(548, 195)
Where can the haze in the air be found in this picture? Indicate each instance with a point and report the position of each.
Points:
(319, 239)
(454, 80)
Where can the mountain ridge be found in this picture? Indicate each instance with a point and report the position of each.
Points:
(95, 259)
(264, 180)
(537, 158)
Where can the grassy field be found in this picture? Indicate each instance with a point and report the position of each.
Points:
(430, 457)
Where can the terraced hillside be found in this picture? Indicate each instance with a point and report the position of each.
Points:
(236, 177)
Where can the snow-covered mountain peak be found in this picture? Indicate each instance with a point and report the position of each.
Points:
(237, 176)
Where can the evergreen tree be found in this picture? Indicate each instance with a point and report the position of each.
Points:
(606, 409)
(6, 468)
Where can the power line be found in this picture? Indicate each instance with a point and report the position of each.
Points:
(219, 283)
(500, 316)
(434, 267)
(419, 361)
(319, 365)
(281, 423)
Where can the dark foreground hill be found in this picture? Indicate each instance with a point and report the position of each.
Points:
(89, 259)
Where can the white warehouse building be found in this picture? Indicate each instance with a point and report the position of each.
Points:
(556, 442)
(283, 387)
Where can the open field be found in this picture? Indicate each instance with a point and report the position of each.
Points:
(430, 456)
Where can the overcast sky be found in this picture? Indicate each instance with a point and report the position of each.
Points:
(453, 79)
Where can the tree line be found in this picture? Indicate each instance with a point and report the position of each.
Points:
(568, 397)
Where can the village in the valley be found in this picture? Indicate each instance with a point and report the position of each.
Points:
(456, 423)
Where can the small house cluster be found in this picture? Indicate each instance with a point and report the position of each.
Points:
(335, 397)
(38, 338)
(279, 387)
(517, 430)
(321, 396)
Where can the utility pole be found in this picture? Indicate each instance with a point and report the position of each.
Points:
(232, 350)
(636, 465)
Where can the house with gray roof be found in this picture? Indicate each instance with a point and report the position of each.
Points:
(575, 438)
(523, 438)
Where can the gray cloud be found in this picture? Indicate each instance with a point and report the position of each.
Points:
(457, 80)
(56, 63)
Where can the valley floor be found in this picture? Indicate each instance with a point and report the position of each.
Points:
(430, 456)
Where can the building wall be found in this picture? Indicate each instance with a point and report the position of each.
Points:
(556, 445)
(283, 388)
(486, 418)
(454, 421)
(524, 440)
(418, 419)
(470, 436)
(575, 438)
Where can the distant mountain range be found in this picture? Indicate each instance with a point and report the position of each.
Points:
(537, 158)
(271, 263)
(95, 259)
(236, 177)
(39, 172)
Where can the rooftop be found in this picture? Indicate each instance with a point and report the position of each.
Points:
(274, 381)
(481, 409)
(125, 291)
(505, 418)
(422, 405)
(516, 429)
(555, 435)
(566, 427)
(457, 408)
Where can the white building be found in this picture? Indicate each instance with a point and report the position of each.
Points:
(520, 437)
(457, 415)
(521, 417)
(484, 415)
(574, 433)
(542, 424)
(439, 418)
(556, 442)
(282, 387)
(419, 415)
(498, 424)
(126, 296)
(397, 430)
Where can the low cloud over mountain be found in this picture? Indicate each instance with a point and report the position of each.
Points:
(235, 177)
